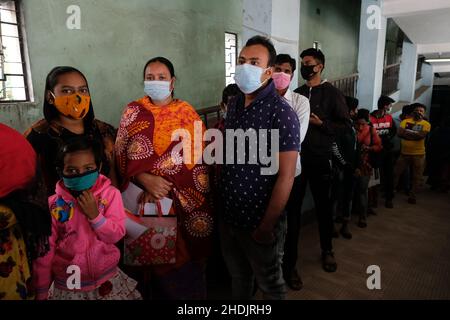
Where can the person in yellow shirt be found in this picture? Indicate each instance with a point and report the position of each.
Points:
(413, 132)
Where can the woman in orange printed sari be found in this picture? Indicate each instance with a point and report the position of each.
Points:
(144, 153)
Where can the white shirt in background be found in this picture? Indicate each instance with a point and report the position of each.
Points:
(300, 104)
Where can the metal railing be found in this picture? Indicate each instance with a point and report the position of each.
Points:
(390, 79)
(418, 74)
(347, 85)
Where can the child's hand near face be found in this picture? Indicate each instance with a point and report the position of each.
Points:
(88, 204)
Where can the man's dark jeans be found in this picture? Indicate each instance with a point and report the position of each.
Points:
(318, 173)
(247, 259)
(342, 189)
(387, 163)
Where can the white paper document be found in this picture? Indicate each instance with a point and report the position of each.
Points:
(151, 210)
(134, 229)
(166, 204)
(131, 198)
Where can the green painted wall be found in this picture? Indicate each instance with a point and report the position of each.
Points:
(115, 41)
(336, 28)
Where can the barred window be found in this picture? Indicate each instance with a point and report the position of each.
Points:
(13, 81)
(230, 57)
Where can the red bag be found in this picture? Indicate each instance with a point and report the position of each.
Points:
(157, 245)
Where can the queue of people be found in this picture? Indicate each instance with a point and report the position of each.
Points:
(66, 206)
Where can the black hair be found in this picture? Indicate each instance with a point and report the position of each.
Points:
(285, 58)
(417, 105)
(50, 111)
(81, 143)
(407, 109)
(265, 42)
(164, 61)
(315, 53)
(231, 90)
(363, 114)
(384, 101)
(352, 103)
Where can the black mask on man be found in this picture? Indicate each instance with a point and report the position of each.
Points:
(307, 72)
(417, 115)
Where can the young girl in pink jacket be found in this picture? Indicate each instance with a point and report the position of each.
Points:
(88, 219)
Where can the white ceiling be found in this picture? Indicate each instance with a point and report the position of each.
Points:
(398, 8)
(433, 50)
(429, 27)
(437, 55)
(426, 23)
(441, 67)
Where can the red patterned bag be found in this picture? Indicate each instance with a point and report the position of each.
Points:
(157, 245)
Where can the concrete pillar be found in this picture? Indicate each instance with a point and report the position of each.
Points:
(427, 75)
(286, 30)
(408, 69)
(372, 41)
(277, 19)
(427, 80)
(257, 18)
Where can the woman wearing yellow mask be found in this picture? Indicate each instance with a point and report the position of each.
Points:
(68, 113)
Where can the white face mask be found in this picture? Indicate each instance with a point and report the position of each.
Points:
(157, 90)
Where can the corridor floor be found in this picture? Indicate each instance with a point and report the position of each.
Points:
(410, 244)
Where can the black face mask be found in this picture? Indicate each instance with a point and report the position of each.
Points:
(417, 116)
(307, 72)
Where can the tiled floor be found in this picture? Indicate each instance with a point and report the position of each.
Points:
(410, 244)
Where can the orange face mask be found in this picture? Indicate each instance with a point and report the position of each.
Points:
(75, 105)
